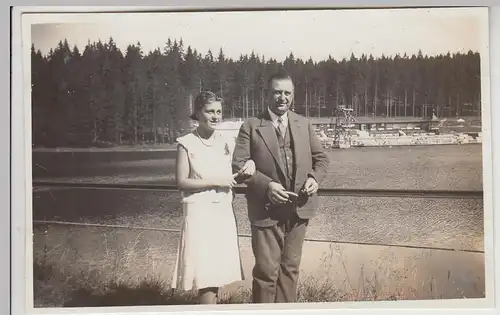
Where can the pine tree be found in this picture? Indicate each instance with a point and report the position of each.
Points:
(101, 95)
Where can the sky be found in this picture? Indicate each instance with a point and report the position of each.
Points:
(307, 34)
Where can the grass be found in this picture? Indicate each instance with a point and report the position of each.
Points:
(116, 277)
(55, 289)
(54, 286)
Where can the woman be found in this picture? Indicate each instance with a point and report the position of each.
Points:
(208, 256)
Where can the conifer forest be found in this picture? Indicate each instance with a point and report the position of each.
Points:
(105, 96)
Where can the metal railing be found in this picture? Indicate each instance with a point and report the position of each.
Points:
(331, 192)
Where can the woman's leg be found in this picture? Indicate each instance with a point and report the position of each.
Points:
(208, 295)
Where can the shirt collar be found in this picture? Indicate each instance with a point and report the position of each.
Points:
(274, 117)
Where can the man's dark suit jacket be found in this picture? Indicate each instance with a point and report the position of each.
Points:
(257, 140)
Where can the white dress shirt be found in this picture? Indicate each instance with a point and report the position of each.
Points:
(275, 117)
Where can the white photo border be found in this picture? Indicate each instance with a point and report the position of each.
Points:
(21, 183)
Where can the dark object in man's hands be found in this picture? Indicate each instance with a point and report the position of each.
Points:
(293, 197)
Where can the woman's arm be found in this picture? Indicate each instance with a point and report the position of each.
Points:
(192, 184)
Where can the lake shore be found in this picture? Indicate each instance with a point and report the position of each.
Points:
(129, 148)
(173, 147)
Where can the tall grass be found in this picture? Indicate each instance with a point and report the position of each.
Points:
(55, 289)
(107, 281)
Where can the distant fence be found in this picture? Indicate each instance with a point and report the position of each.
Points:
(331, 192)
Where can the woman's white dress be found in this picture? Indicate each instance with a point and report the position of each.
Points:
(208, 253)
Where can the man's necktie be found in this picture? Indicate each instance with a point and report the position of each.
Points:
(281, 127)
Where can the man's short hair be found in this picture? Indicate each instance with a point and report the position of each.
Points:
(281, 74)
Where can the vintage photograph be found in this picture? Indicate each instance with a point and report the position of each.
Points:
(242, 157)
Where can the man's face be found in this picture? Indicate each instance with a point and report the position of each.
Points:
(281, 96)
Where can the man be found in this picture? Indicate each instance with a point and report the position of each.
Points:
(288, 157)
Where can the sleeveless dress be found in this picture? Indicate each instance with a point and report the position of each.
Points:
(208, 254)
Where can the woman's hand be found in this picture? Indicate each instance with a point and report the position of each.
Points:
(248, 169)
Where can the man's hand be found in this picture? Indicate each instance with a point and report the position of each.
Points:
(276, 193)
(310, 186)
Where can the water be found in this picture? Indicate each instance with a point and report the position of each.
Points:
(449, 223)
(412, 167)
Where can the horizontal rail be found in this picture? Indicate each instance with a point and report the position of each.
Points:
(391, 193)
(46, 222)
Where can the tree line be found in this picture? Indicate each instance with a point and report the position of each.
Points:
(105, 96)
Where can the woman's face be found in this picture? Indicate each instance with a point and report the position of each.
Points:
(211, 115)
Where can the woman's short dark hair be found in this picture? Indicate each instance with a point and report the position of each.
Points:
(203, 98)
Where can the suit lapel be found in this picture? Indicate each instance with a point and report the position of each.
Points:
(296, 134)
(268, 133)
